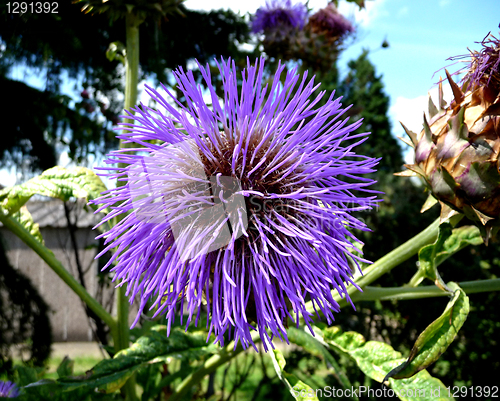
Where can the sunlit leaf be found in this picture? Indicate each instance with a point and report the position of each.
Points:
(299, 390)
(376, 359)
(57, 182)
(437, 337)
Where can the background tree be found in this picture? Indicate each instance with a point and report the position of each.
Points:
(73, 45)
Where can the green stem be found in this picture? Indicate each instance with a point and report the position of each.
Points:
(47, 255)
(131, 81)
(417, 278)
(402, 293)
(388, 262)
(209, 366)
(132, 23)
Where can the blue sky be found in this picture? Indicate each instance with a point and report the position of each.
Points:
(422, 34)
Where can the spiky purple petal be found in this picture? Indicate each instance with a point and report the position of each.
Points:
(246, 203)
(484, 65)
(8, 389)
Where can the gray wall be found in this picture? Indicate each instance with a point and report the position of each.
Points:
(68, 318)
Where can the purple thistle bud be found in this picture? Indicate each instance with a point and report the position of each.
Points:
(330, 22)
(243, 206)
(278, 14)
(8, 390)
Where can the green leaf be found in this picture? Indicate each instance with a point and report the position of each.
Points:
(376, 359)
(56, 182)
(315, 347)
(27, 375)
(299, 390)
(116, 50)
(66, 367)
(360, 3)
(110, 375)
(24, 217)
(436, 338)
(448, 243)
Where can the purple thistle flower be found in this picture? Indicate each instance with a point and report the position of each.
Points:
(8, 390)
(245, 203)
(483, 67)
(330, 22)
(485, 64)
(278, 14)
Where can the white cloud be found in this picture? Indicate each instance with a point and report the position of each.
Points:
(410, 111)
(444, 3)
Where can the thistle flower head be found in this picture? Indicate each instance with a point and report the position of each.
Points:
(241, 208)
(8, 390)
(457, 152)
(279, 14)
(330, 22)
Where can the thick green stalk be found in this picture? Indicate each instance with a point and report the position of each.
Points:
(389, 261)
(397, 256)
(131, 82)
(131, 67)
(401, 293)
(47, 255)
(209, 366)
(132, 23)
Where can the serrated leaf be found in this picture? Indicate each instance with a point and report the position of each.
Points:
(315, 347)
(436, 338)
(299, 390)
(376, 359)
(56, 182)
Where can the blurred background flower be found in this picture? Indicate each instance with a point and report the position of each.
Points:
(8, 390)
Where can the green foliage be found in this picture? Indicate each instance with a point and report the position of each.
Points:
(157, 10)
(448, 243)
(23, 216)
(40, 120)
(66, 367)
(300, 390)
(72, 43)
(56, 182)
(436, 338)
(376, 359)
(110, 375)
(314, 347)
